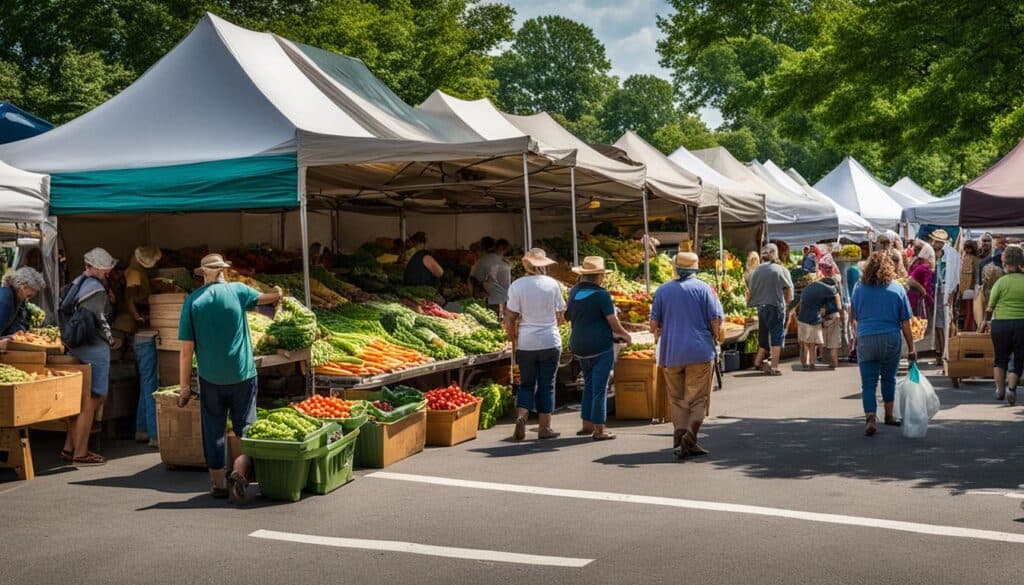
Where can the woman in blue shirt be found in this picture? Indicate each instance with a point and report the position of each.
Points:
(882, 311)
(18, 287)
(595, 327)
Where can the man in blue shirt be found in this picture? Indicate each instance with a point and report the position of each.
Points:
(686, 319)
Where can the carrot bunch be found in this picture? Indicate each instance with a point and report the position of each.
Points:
(368, 355)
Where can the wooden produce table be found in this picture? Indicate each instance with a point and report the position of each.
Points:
(28, 403)
(463, 369)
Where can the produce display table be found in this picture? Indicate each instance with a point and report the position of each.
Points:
(463, 368)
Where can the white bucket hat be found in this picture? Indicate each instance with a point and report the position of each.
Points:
(100, 258)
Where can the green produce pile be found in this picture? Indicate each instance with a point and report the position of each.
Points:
(170, 390)
(12, 375)
(36, 316)
(281, 425)
(497, 400)
(565, 330)
(482, 314)
(401, 395)
(293, 328)
(400, 322)
(638, 347)
(662, 270)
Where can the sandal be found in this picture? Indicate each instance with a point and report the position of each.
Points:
(584, 433)
(604, 437)
(520, 432)
(870, 425)
(67, 456)
(237, 485)
(893, 422)
(90, 460)
(773, 373)
(544, 434)
(219, 493)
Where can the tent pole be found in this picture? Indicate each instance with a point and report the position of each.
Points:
(526, 195)
(304, 231)
(572, 204)
(721, 242)
(402, 228)
(647, 246)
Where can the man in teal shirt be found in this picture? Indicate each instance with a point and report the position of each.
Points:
(214, 327)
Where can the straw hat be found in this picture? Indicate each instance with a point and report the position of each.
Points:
(940, 235)
(686, 260)
(537, 258)
(212, 262)
(100, 258)
(591, 265)
(148, 256)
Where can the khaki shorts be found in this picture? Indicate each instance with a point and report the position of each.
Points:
(809, 334)
(832, 331)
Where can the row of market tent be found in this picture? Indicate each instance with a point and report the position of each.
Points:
(232, 119)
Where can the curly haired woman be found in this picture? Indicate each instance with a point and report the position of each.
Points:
(882, 311)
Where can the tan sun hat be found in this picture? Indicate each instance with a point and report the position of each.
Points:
(940, 235)
(212, 262)
(686, 260)
(537, 258)
(100, 258)
(148, 256)
(591, 265)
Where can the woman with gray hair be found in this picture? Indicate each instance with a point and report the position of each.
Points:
(1005, 317)
(18, 288)
(91, 291)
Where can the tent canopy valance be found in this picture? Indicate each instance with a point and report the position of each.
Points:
(943, 211)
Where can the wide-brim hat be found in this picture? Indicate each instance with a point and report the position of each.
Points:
(148, 256)
(591, 265)
(537, 258)
(212, 262)
(686, 261)
(939, 235)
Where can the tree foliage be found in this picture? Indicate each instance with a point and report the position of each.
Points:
(554, 65)
(61, 58)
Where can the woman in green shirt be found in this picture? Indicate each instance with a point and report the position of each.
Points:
(1005, 316)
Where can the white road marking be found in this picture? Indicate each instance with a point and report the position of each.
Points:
(1011, 495)
(425, 549)
(930, 529)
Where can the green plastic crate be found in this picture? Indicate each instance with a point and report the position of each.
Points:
(282, 467)
(333, 469)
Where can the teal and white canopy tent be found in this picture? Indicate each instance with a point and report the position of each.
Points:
(232, 119)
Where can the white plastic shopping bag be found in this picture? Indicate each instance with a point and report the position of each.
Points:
(916, 403)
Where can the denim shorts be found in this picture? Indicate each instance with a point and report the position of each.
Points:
(771, 322)
(97, 355)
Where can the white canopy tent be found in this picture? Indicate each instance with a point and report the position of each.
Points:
(910, 188)
(792, 216)
(941, 211)
(855, 188)
(849, 223)
(25, 199)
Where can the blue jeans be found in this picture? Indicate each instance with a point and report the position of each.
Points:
(216, 403)
(145, 356)
(537, 371)
(771, 327)
(596, 371)
(878, 357)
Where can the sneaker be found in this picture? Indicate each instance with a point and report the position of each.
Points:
(1000, 394)
(1011, 397)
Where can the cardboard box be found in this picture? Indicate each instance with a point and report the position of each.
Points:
(451, 427)
(26, 403)
(382, 444)
(971, 345)
(636, 390)
(179, 432)
(969, 368)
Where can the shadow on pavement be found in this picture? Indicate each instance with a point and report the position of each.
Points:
(157, 478)
(957, 454)
(531, 446)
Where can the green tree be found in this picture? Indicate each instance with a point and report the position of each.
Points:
(643, 104)
(741, 143)
(553, 65)
(687, 130)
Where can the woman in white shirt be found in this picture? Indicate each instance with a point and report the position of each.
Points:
(534, 310)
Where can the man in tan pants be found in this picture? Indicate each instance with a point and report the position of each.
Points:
(686, 318)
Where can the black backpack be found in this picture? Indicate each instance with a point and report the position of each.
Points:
(78, 325)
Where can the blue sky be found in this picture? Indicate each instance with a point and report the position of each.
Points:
(628, 29)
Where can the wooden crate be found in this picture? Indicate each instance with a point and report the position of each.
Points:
(55, 348)
(167, 366)
(168, 299)
(179, 432)
(20, 358)
(68, 363)
(971, 345)
(163, 323)
(451, 427)
(26, 403)
(165, 313)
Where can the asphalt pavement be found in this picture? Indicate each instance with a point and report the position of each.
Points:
(791, 493)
